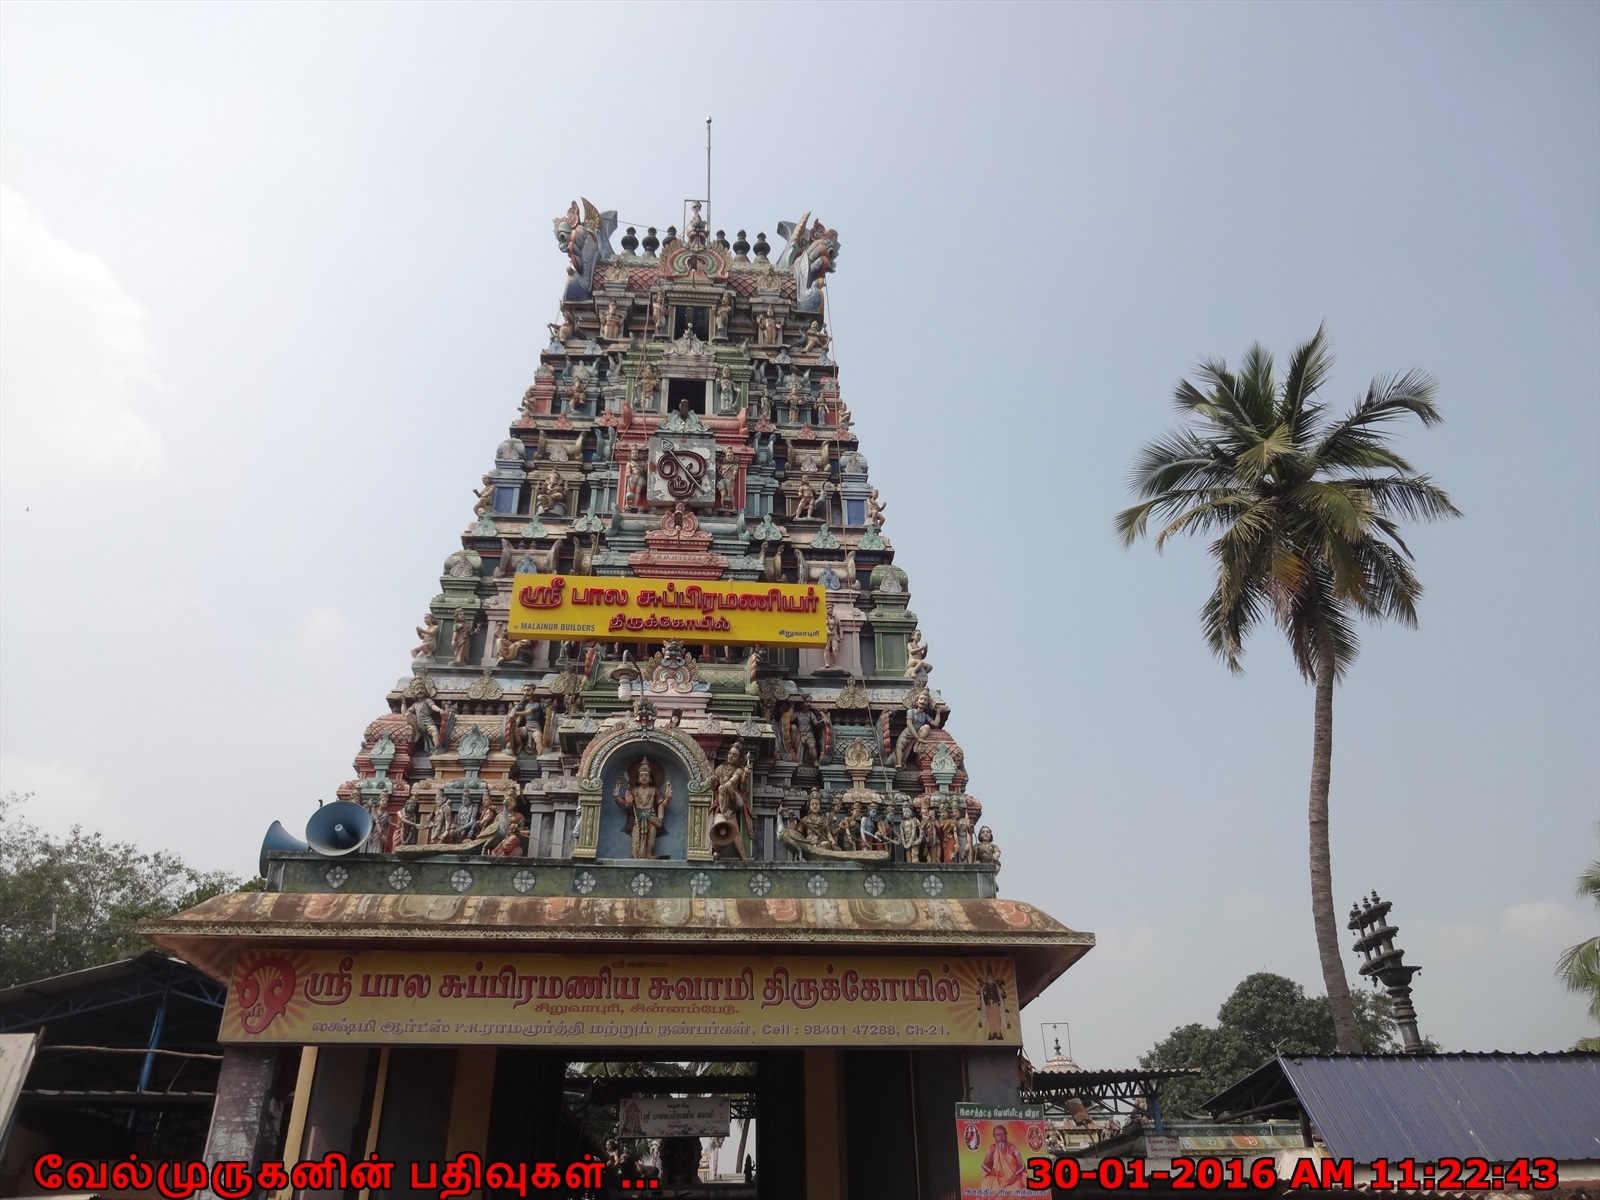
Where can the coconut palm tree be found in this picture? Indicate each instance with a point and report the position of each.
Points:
(1304, 508)
(1579, 966)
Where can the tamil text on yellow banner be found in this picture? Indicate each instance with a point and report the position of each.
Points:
(312, 996)
(609, 608)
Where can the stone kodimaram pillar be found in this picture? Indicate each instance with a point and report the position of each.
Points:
(675, 628)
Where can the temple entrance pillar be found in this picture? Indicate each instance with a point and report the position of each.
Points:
(824, 1136)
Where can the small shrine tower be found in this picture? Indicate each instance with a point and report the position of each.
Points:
(667, 782)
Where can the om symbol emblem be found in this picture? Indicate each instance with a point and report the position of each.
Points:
(681, 470)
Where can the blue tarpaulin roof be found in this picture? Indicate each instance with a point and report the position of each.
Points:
(1431, 1106)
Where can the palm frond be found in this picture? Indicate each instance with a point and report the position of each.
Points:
(1588, 885)
(1415, 497)
(1268, 455)
(1387, 399)
(1258, 388)
(1360, 450)
(1226, 623)
(1177, 460)
(1579, 970)
(1309, 367)
(1392, 588)
(1314, 607)
(1131, 522)
(1207, 515)
(1340, 512)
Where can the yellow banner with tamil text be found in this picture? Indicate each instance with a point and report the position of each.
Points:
(574, 608)
(325, 996)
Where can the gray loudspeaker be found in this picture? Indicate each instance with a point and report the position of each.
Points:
(279, 838)
(338, 828)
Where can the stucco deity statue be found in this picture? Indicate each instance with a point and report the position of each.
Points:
(485, 497)
(646, 805)
(816, 340)
(525, 724)
(378, 840)
(694, 232)
(875, 830)
(658, 314)
(963, 836)
(814, 825)
(611, 324)
(509, 650)
(844, 418)
(807, 733)
(727, 397)
(853, 827)
(430, 724)
(489, 819)
(443, 827)
(830, 651)
(910, 834)
(586, 238)
(635, 480)
(645, 387)
(947, 833)
(728, 483)
(410, 822)
(917, 656)
(512, 833)
(550, 494)
(920, 722)
(724, 310)
(428, 631)
(767, 328)
(930, 836)
(984, 849)
(875, 509)
(578, 388)
(462, 629)
(805, 500)
(730, 784)
(810, 255)
(839, 825)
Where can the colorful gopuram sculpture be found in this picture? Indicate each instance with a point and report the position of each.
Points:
(684, 423)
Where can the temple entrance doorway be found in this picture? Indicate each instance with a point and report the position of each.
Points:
(712, 1125)
(689, 1125)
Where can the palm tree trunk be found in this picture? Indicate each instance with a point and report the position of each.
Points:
(1346, 1033)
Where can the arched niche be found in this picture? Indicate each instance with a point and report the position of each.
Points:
(611, 757)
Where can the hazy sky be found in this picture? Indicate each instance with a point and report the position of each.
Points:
(276, 276)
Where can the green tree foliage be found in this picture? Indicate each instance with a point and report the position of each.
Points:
(1305, 510)
(1267, 1015)
(1578, 968)
(71, 902)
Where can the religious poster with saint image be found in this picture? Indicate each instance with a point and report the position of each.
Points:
(993, 1145)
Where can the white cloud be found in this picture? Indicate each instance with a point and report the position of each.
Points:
(75, 356)
(1547, 921)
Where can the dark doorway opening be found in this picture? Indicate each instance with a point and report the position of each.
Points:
(692, 391)
(692, 317)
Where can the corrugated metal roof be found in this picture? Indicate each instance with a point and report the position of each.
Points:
(1432, 1106)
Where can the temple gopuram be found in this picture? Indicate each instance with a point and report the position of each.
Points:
(663, 854)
